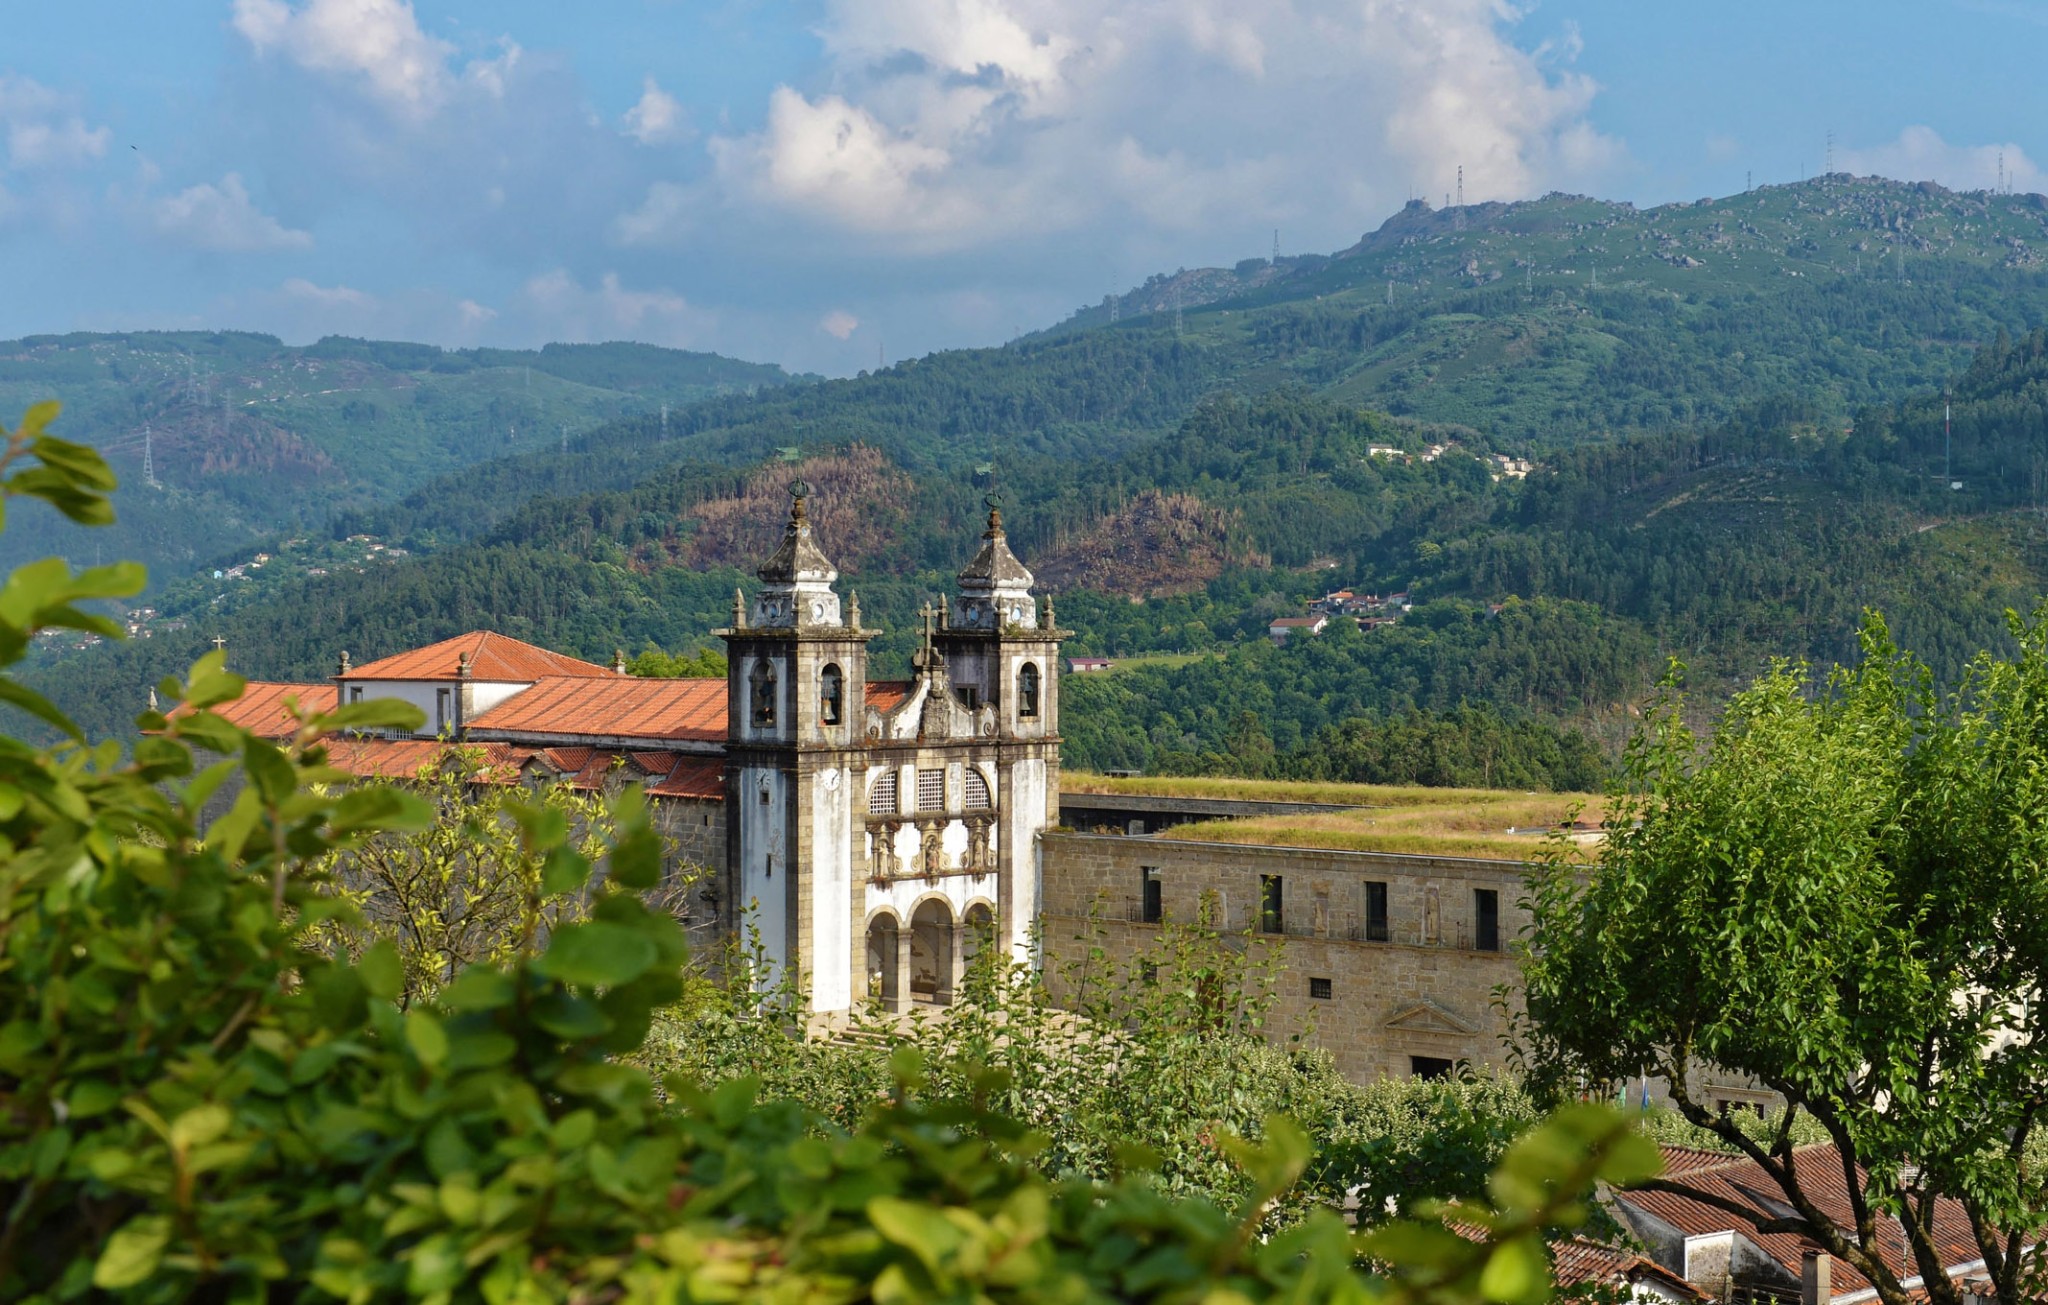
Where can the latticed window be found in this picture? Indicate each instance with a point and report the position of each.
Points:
(977, 791)
(882, 795)
(931, 790)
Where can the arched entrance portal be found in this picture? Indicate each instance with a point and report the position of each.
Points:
(931, 952)
(884, 983)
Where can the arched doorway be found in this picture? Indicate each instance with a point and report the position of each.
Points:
(931, 952)
(883, 981)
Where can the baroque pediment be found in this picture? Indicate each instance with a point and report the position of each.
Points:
(1429, 1017)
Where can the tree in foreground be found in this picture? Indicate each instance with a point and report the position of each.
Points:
(1844, 894)
(197, 1103)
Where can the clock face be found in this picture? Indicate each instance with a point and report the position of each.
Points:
(818, 609)
(831, 781)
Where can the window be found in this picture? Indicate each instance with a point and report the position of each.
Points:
(761, 685)
(931, 790)
(1148, 972)
(882, 795)
(1486, 917)
(1153, 906)
(355, 693)
(1430, 1066)
(1270, 913)
(971, 695)
(977, 791)
(1319, 989)
(831, 695)
(1027, 690)
(1376, 913)
(441, 700)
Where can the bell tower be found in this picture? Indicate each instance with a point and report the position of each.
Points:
(795, 697)
(1001, 647)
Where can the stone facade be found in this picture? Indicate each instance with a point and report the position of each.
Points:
(1421, 1001)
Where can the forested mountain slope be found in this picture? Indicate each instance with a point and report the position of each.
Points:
(224, 439)
(1732, 461)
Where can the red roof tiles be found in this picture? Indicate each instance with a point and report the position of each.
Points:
(888, 695)
(1819, 1170)
(492, 656)
(665, 774)
(260, 709)
(615, 707)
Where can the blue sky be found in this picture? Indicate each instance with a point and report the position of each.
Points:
(822, 183)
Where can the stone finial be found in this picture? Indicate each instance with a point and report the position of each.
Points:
(799, 490)
(853, 610)
(1045, 619)
(152, 698)
(945, 613)
(618, 661)
(462, 666)
(739, 609)
(344, 663)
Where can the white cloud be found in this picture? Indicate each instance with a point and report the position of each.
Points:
(1920, 154)
(474, 314)
(662, 217)
(41, 129)
(223, 219)
(955, 122)
(610, 311)
(339, 296)
(376, 45)
(839, 324)
(658, 118)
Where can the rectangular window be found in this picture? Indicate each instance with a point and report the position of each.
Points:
(1319, 989)
(1154, 906)
(441, 711)
(1430, 1067)
(1148, 972)
(931, 790)
(1376, 912)
(355, 693)
(1271, 915)
(1486, 917)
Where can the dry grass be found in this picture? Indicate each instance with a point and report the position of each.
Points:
(1415, 820)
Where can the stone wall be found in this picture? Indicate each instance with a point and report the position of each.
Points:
(1405, 1005)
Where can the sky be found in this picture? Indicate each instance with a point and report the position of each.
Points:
(829, 183)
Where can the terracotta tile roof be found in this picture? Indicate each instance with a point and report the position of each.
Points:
(1819, 1169)
(702, 778)
(1579, 1259)
(260, 709)
(616, 706)
(888, 695)
(491, 657)
(665, 774)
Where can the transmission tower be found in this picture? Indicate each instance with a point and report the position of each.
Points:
(1461, 185)
(148, 459)
(565, 441)
(1830, 156)
(1276, 241)
(664, 423)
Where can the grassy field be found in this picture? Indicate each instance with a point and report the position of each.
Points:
(1383, 818)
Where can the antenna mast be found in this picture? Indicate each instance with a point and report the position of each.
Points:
(1276, 240)
(1830, 156)
(664, 423)
(1461, 185)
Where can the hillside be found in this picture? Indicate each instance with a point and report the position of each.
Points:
(1180, 488)
(224, 439)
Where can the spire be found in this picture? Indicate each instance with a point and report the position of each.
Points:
(797, 580)
(995, 588)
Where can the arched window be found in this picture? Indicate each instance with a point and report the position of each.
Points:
(1027, 690)
(831, 695)
(977, 791)
(761, 682)
(882, 795)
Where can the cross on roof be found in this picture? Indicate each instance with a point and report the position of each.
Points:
(219, 642)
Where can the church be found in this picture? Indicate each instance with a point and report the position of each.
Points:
(871, 833)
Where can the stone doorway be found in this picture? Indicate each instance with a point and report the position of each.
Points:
(931, 952)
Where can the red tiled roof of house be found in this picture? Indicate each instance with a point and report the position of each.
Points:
(1819, 1170)
(1579, 1259)
(888, 695)
(260, 709)
(375, 758)
(1297, 622)
(493, 657)
(692, 777)
(616, 706)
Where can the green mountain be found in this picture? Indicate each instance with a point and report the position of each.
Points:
(1737, 437)
(225, 439)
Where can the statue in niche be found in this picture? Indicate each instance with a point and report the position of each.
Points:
(761, 683)
(934, 853)
(1432, 917)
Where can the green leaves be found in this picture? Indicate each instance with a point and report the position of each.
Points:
(597, 955)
